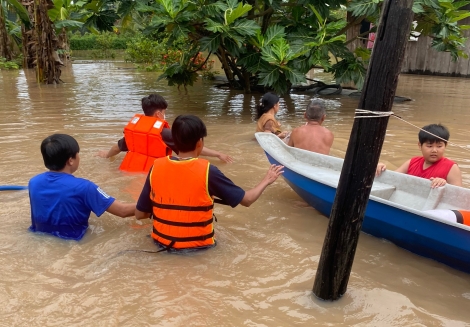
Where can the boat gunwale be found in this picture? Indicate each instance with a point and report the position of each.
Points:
(260, 136)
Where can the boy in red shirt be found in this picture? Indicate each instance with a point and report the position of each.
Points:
(432, 165)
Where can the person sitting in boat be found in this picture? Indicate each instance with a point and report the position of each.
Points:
(432, 165)
(266, 112)
(179, 191)
(60, 202)
(147, 137)
(313, 136)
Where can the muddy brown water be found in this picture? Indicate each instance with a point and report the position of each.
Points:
(262, 271)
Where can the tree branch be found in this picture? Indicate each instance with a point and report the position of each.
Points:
(264, 13)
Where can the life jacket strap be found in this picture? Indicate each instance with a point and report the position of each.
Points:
(183, 208)
(168, 247)
(220, 201)
(184, 224)
(183, 239)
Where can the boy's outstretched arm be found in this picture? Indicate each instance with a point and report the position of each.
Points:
(212, 153)
(122, 209)
(455, 176)
(111, 153)
(252, 195)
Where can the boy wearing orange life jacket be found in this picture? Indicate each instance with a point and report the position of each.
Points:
(432, 165)
(179, 191)
(147, 137)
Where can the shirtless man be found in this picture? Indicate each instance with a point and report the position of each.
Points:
(312, 136)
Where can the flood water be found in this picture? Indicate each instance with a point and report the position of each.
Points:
(262, 271)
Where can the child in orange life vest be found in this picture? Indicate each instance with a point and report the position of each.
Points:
(155, 105)
(179, 191)
(432, 165)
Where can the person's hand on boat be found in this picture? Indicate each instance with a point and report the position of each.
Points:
(437, 182)
(380, 168)
(273, 173)
(283, 134)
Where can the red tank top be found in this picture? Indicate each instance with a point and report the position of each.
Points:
(439, 169)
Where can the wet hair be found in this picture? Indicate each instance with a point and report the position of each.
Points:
(267, 102)
(315, 110)
(152, 103)
(436, 129)
(57, 149)
(186, 131)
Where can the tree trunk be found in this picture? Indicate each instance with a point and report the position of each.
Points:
(5, 49)
(47, 60)
(64, 45)
(27, 35)
(40, 43)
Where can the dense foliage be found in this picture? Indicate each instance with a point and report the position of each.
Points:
(268, 44)
(98, 41)
(273, 44)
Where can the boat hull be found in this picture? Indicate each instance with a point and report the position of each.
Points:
(429, 238)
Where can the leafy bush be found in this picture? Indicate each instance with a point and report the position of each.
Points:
(144, 51)
(101, 41)
(120, 42)
(4, 64)
(207, 72)
(151, 55)
(85, 42)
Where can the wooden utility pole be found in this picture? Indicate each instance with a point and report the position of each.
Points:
(363, 151)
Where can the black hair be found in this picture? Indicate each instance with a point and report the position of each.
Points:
(57, 149)
(437, 129)
(267, 102)
(315, 110)
(152, 103)
(186, 131)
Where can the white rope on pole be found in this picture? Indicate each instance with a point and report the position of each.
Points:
(379, 114)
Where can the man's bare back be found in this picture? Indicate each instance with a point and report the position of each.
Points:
(312, 137)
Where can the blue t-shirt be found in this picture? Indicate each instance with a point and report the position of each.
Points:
(219, 186)
(61, 204)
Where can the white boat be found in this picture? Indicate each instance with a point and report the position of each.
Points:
(403, 209)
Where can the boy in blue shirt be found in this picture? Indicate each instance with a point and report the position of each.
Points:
(60, 202)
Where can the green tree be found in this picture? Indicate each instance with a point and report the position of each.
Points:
(437, 19)
(61, 16)
(8, 25)
(5, 48)
(273, 44)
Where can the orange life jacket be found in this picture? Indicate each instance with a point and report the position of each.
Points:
(463, 216)
(182, 206)
(144, 141)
